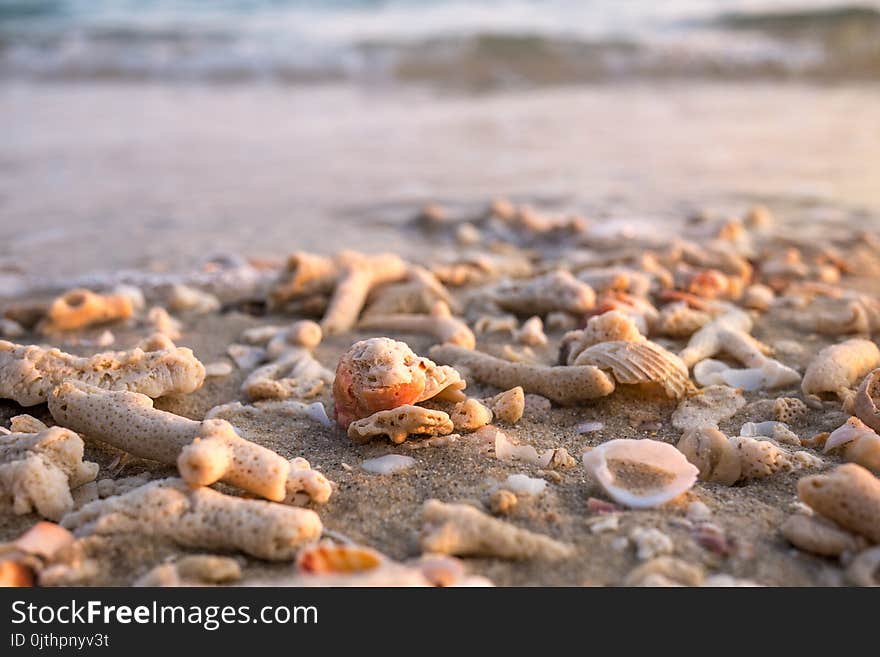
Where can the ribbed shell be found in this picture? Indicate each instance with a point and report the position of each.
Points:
(640, 362)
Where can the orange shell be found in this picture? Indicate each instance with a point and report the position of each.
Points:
(15, 574)
(332, 558)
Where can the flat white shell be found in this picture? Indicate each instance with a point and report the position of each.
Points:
(772, 374)
(388, 464)
(524, 485)
(650, 453)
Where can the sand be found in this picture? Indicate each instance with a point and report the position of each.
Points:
(383, 511)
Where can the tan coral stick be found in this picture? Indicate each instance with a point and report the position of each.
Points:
(565, 385)
(440, 323)
(360, 274)
(307, 274)
(205, 452)
(837, 368)
(200, 518)
(218, 453)
(29, 373)
(464, 530)
(556, 290)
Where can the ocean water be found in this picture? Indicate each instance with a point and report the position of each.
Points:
(474, 43)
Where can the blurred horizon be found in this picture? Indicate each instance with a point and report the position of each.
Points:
(472, 44)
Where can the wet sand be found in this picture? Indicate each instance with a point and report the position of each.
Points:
(99, 177)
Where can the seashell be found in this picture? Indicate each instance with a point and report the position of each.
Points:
(778, 431)
(505, 450)
(640, 362)
(327, 557)
(640, 310)
(864, 405)
(44, 539)
(611, 326)
(521, 484)
(771, 374)
(380, 374)
(860, 443)
(640, 473)
(589, 427)
(15, 574)
(712, 453)
(388, 464)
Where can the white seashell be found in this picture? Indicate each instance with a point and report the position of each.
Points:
(859, 442)
(388, 464)
(505, 450)
(589, 427)
(524, 485)
(771, 374)
(609, 522)
(752, 429)
(640, 473)
(318, 413)
(851, 430)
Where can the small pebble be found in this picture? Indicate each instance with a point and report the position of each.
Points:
(595, 505)
(650, 543)
(502, 501)
(221, 368)
(620, 544)
(589, 427)
(607, 523)
(698, 512)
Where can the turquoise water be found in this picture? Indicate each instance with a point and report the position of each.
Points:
(466, 41)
